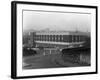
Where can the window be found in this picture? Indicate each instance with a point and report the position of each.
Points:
(58, 38)
(76, 38)
(55, 38)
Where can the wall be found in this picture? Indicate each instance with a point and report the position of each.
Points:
(5, 40)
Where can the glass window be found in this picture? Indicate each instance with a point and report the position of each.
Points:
(55, 38)
(61, 37)
(75, 38)
(58, 38)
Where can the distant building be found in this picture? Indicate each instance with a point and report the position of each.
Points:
(26, 38)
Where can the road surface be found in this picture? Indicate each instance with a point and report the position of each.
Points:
(46, 61)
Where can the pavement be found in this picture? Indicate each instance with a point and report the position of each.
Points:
(40, 61)
(46, 61)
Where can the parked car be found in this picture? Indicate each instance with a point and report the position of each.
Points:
(28, 52)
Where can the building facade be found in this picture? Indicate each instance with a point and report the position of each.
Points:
(58, 39)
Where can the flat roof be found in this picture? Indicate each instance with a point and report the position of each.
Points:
(61, 33)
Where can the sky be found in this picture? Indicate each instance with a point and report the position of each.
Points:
(40, 20)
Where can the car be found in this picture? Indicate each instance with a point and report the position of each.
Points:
(28, 52)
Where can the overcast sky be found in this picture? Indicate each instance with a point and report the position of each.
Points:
(36, 20)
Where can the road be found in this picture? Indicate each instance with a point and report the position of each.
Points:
(46, 61)
(41, 61)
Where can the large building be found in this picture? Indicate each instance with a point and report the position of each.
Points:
(58, 39)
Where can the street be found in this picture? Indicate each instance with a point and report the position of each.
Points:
(46, 61)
